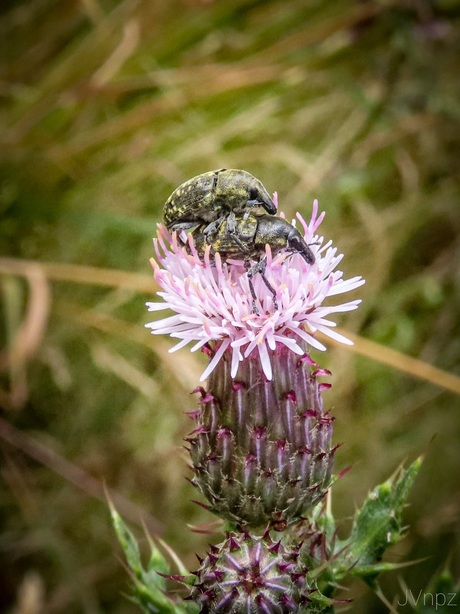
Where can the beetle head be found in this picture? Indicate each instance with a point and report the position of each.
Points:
(296, 243)
(243, 190)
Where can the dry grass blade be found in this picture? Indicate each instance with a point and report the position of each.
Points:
(76, 475)
(79, 274)
(401, 362)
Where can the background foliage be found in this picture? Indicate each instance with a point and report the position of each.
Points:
(106, 107)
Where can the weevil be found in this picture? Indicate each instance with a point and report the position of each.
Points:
(208, 199)
(245, 237)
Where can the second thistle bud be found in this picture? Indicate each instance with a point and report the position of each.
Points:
(262, 450)
(247, 574)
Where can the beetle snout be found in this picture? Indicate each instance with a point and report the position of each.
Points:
(269, 206)
(259, 197)
(297, 244)
(266, 203)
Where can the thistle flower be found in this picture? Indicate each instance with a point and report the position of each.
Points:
(251, 575)
(213, 307)
(262, 448)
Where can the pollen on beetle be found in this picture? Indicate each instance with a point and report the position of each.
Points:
(212, 303)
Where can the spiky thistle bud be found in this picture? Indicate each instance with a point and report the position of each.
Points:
(251, 575)
(262, 450)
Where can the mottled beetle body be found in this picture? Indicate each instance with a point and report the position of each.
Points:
(207, 199)
(246, 236)
(217, 207)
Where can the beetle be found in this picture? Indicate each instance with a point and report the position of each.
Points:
(245, 237)
(207, 199)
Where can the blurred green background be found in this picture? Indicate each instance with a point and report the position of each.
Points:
(106, 107)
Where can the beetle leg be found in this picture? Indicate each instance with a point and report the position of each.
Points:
(250, 274)
(211, 229)
(231, 229)
(177, 226)
(259, 267)
(231, 223)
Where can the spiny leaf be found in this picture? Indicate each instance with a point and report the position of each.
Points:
(127, 542)
(377, 525)
(149, 585)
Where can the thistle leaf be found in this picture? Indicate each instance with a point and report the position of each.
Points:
(149, 584)
(378, 525)
(127, 542)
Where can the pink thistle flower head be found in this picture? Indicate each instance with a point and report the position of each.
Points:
(212, 302)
